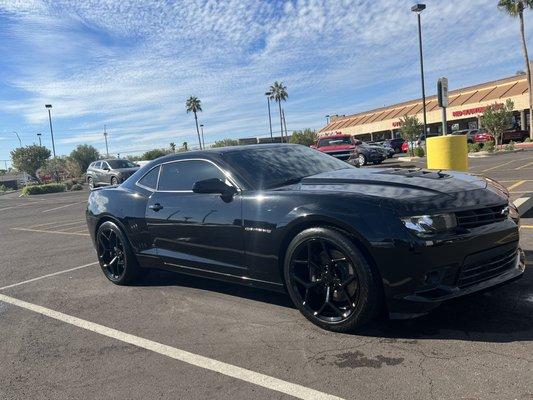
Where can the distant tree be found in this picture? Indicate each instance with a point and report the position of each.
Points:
(278, 93)
(172, 147)
(307, 137)
(515, 8)
(194, 105)
(225, 143)
(497, 118)
(185, 146)
(83, 155)
(410, 128)
(29, 158)
(55, 167)
(153, 154)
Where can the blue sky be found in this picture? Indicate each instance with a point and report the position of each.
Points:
(131, 64)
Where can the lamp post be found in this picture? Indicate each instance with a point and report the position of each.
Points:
(327, 119)
(418, 8)
(18, 137)
(268, 94)
(202, 131)
(105, 137)
(39, 136)
(48, 107)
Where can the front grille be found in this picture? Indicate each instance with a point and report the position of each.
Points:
(481, 216)
(488, 268)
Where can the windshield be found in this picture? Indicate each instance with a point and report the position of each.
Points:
(335, 141)
(266, 167)
(116, 164)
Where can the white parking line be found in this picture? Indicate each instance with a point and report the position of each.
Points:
(49, 275)
(66, 205)
(255, 378)
(18, 205)
(45, 231)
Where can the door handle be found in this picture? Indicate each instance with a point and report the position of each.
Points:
(155, 207)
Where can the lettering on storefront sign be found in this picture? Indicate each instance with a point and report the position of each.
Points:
(397, 123)
(470, 111)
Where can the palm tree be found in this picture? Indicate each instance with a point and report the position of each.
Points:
(515, 8)
(194, 105)
(278, 92)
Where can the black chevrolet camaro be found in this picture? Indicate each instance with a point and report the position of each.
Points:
(344, 242)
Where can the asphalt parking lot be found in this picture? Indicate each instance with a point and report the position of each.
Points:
(66, 332)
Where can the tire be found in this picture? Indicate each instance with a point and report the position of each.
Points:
(90, 182)
(362, 159)
(114, 181)
(112, 244)
(377, 162)
(335, 288)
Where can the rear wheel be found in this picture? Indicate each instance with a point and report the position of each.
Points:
(90, 182)
(114, 181)
(330, 281)
(115, 256)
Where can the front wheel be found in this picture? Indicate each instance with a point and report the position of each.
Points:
(362, 159)
(114, 181)
(330, 281)
(115, 256)
(90, 182)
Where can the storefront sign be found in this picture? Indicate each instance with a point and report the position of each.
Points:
(471, 111)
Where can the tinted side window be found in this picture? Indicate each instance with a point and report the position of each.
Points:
(183, 175)
(150, 179)
(97, 165)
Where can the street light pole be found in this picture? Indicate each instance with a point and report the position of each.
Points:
(48, 107)
(268, 94)
(39, 136)
(18, 137)
(105, 137)
(202, 131)
(418, 8)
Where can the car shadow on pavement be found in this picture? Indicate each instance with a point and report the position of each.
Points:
(168, 278)
(500, 315)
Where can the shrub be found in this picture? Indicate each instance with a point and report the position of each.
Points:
(474, 147)
(527, 140)
(3, 188)
(509, 146)
(489, 146)
(68, 184)
(76, 186)
(42, 189)
(419, 152)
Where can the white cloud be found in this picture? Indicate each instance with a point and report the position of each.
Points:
(131, 64)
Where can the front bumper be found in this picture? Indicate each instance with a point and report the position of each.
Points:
(421, 302)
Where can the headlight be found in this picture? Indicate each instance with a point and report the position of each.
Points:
(429, 224)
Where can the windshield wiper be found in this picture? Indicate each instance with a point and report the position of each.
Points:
(286, 182)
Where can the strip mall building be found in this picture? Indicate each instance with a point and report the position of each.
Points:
(465, 107)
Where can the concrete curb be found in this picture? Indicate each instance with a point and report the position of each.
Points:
(481, 154)
(524, 204)
(409, 159)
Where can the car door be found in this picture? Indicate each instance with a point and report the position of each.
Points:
(96, 172)
(194, 231)
(105, 173)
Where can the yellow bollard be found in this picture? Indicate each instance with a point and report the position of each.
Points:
(447, 152)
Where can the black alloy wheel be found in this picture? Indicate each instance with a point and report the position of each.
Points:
(115, 256)
(114, 181)
(330, 281)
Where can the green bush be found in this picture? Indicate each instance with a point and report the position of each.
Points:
(489, 146)
(76, 186)
(3, 188)
(527, 140)
(474, 147)
(419, 152)
(42, 189)
(509, 146)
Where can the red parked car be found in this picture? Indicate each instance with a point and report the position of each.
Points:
(482, 137)
(339, 145)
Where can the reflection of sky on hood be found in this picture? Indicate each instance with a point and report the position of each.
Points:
(99, 201)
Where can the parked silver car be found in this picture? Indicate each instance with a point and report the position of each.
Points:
(109, 172)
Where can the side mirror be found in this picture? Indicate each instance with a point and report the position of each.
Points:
(357, 142)
(214, 185)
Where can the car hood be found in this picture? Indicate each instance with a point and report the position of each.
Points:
(411, 190)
